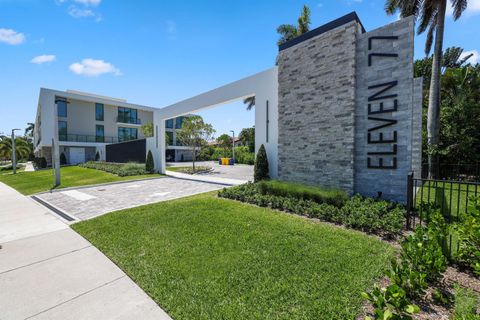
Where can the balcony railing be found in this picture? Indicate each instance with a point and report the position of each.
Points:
(86, 138)
(130, 120)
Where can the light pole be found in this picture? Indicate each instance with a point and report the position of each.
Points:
(14, 153)
(233, 145)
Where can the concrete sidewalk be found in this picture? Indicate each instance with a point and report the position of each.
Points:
(48, 271)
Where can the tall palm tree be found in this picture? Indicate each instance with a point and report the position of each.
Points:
(432, 17)
(29, 129)
(287, 32)
(22, 147)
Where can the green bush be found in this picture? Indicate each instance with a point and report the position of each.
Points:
(119, 169)
(40, 163)
(97, 156)
(390, 303)
(468, 229)
(390, 226)
(334, 197)
(63, 159)
(149, 165)
(261, 171)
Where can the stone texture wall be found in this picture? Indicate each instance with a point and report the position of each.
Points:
(390, 182)
(316, 109)
(417, 127)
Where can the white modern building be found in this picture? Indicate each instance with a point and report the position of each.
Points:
(340, 109)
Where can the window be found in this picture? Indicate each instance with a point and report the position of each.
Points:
(169, 124)
(62, 131)
(99, 111)
(61, 107)
(169, 138)
(99, 133)
(126, 134)
(178, 123)
(127, 115)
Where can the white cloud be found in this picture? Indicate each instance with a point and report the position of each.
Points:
(94, 68)
(474, 59)
(12, 37)
(92, 3)
(80, 13)
(473, 8)
(43, 58)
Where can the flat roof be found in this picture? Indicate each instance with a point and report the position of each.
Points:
(352, 16)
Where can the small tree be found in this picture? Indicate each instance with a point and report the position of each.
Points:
(225, 142)
(149, 164)
(261, 165)
(195, 133)
(63, 159)
(247, 136)
(97, 156)
(147, 129)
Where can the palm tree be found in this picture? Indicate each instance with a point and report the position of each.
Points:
(432, 17)
(287, 32)
(29, 129)
(22, 147)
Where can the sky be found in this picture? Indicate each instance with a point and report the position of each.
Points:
(157, 53)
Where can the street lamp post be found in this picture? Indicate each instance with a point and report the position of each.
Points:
(14, 153)
(233, 145)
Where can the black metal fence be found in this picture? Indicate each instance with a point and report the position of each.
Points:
(449, 196)
(130, 151)
(463, 171)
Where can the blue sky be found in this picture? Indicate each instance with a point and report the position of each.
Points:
(159, 52)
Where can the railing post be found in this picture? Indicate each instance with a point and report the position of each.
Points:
(410, 203)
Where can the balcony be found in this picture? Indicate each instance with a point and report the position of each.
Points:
(86, 138)
(128, 120)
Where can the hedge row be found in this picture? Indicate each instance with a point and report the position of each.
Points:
(120, 169)
(378, 217)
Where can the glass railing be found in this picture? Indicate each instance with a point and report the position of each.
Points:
(130, 120)
(86, 138)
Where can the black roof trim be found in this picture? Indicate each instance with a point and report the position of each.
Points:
(352, 16)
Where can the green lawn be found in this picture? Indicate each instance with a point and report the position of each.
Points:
(42, 180)
(203, 257)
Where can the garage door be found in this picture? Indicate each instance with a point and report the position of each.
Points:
(77, 155)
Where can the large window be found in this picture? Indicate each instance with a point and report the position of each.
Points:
(61, 107)
(99, 111)
(126, 134)
(99, 133)
(178, 122)
(169, 123)
(127, 115)
(169, 138)
(62, 131)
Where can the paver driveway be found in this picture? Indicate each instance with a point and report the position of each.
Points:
(85, 203)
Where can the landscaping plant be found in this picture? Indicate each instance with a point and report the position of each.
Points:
(97, 156)
(261, 171)
(63, 159)
(390, 303)
(149, 165)
(469, 237)
(120, 169)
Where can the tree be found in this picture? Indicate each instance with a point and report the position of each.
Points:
(225, 142)
(247, 136)
(260, 171)
(289, 31)
(147, 129)
(22, 147)
(29, 129)
(432, 17)
(195, 133)
(149, 164)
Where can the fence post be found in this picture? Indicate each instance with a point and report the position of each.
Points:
(410, 203)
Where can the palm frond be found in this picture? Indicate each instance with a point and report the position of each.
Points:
(429, 39)
(458, 7)
(287, 32)
(250, 102)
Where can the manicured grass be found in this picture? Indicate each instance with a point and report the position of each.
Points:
(204, 257)
(42, 180)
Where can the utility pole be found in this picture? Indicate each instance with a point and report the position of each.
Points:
(14, 152)
(233, 145)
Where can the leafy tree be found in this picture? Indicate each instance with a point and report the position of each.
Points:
(149, 164)
(147, 129)
(432, 17)
(225, 142)
(247, 136)
(195, 133)
(289, 31)
(22, 147)
(260, 171)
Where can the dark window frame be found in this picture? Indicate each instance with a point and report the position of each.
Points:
(61, 128)
(61, 106)
(99, 138)
(97, 108)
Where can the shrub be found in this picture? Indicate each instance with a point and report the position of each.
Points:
(63, 159)
(390, 303)
(300, 191)
(468, 229)
(261, 171)
(40, 162)
(466, 303)
(97, 156)
(119, 169)
(149, 165)
(391, 225)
